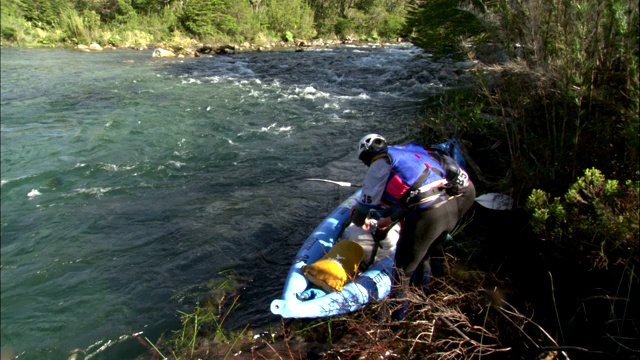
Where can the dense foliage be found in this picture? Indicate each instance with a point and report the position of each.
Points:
(439, 25)
(131, 22)
(552, 118)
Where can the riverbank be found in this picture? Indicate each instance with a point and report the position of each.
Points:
(192, 48)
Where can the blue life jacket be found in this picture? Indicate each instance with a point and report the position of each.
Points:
(408, 162)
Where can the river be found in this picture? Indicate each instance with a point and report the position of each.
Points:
(129, 183)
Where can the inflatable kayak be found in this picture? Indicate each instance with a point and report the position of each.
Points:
(299, 300)
(303, 299)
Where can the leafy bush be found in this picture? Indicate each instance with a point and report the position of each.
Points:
(125, 14)
(44, 13)
(438, 26)
(114, 40)
(325, 16)
(294, 16)
(9, 33)
(288, 36)
(249, 21)
(344, 28)
(91, 20)
(597, 214)
(392, 26)
(73, 28)
(207, 17)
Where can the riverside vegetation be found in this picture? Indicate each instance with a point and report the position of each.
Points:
(551, 119)
(182, 24)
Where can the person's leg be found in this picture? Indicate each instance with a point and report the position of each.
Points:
(423, 227)
(419, 231)
(417, 235)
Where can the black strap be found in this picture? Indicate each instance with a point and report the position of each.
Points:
(374, 251)
(414, 187)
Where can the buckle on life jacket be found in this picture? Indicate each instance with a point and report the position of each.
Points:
(427, 194)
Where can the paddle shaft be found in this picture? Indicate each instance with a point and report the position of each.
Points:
(486, 204)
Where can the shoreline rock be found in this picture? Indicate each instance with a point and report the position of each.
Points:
(196, 49)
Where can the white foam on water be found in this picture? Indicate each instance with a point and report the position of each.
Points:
(112, 167)
(97, 191)
(266, 129)
(320, 50)
(176, 164)
(284, 129)
(309, 93)
(191, 81)
(361, 96)
(256, 94)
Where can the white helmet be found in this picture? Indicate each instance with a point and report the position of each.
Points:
(371, 143)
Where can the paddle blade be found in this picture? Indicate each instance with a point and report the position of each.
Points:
(496, 201)
(340, 183)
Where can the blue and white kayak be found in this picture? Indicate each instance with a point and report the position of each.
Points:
(303, 300)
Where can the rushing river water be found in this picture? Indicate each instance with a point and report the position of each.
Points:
(129, 182)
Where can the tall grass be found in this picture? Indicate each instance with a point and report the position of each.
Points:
(569, 99)
(73, 28)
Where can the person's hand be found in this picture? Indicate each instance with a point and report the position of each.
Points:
(366, 226)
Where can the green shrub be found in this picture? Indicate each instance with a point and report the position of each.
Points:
(73, 28)
(125, 13)
(9, 33)
(392, 26)
(91, 20)
(249, 22)
(438, 26)
(114, 40)
(288, 36)
(294, 16)
(596, 214)
(207, 17)
(44, 13)
(344, 28)
(325, 16)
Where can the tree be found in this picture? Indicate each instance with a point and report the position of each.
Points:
(43, 13)
(438, 25)
(207, 17)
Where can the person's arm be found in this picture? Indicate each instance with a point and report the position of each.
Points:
(375, 181)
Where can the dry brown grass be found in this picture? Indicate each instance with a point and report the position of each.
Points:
(464, 317)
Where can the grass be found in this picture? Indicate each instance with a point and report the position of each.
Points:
(204, 325)
(555, 306)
